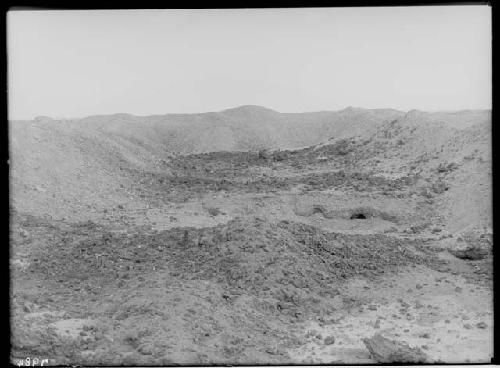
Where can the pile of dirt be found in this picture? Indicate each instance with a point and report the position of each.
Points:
(252, 255)
(287, 272)
(260, 254)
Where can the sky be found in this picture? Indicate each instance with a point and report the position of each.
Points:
(70, 64)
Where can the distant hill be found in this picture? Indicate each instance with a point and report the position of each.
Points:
(238, 129)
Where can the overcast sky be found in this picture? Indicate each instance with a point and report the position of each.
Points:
(67, 64)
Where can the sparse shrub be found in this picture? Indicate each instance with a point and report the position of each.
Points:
(330, 340)
(342, 148)
(440, 187)
(213, 211)
(280, 156)
(263, 154)
(446, 167)
(223, 186)
(132, 339)
(425, 192)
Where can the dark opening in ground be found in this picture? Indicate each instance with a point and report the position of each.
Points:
(358, 216)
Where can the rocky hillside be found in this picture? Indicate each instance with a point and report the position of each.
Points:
(452, 150)
(298, 239)
(70, 168)
(79, 164)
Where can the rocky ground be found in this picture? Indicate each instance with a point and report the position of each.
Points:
(343, 252)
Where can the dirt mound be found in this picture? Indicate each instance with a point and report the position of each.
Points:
(258, 257)
(260, 275)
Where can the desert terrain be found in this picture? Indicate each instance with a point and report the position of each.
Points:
(250, 236)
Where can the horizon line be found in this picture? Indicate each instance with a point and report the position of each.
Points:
(41, 116)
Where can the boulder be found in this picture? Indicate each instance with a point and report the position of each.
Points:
(384, 350)
(471, 252)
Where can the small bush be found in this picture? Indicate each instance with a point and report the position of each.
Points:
(440, 187)
(446, 167)
(213, 211)
(280, 156)
(263, 155)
